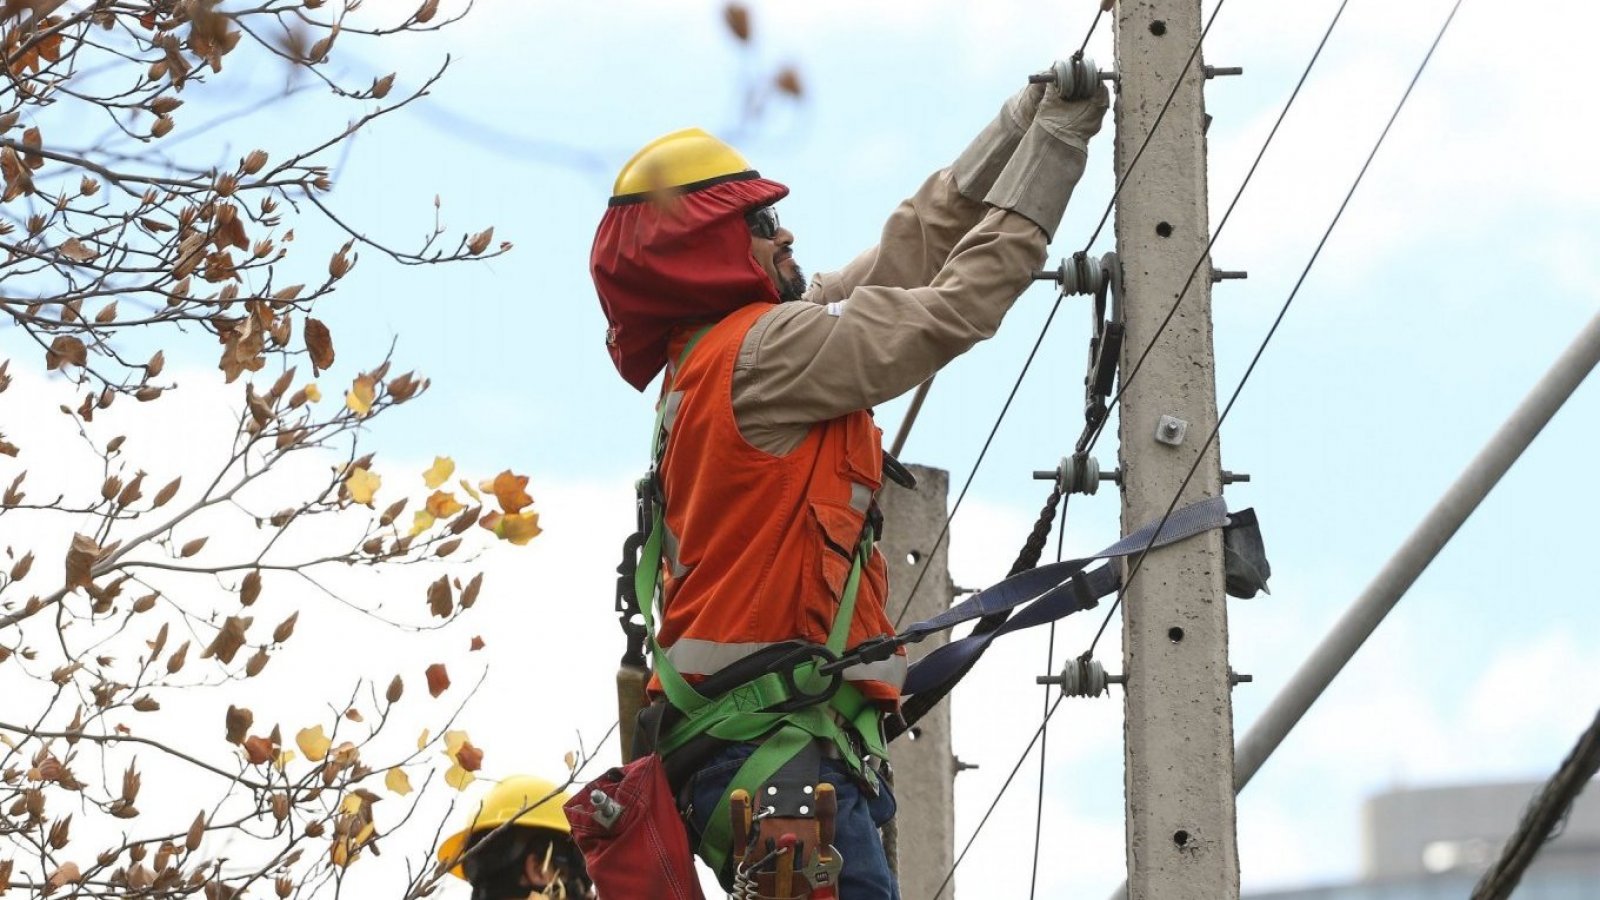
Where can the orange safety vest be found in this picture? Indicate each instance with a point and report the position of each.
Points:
(757, 547)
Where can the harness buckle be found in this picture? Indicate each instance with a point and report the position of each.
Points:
(788, 667)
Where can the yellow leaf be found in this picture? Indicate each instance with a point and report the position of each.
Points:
(422, 739)
(471, 491)
(352, 803)
(361, 396)
(398, 782)
(458, 777)
(453, 741)
(571, 759)
(313, 743)
(421, 521)
(362, 485)
(313, 393)
(284, 758)
(519, 528)
(443, 504)
(443, 467)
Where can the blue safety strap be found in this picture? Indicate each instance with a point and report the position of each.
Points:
(1049, 592)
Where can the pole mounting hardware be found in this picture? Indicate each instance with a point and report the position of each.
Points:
(1077, 274)
(1076, 77)
(1078, 474)
(1082, 678)
(1170, 430)
(1215, 71)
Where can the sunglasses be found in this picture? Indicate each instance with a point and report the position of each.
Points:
(763, 222)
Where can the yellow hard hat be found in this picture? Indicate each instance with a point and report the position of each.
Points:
(682, 159)
(503, 804)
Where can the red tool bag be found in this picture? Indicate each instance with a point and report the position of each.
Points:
(632, 837)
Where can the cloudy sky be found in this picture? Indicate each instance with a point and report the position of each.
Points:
(1463, 266)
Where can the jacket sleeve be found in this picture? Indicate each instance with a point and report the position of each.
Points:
(916, 241)
(804, 363)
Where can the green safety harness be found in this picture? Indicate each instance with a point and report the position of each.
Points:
(785, 709)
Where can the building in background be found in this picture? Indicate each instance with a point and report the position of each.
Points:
(1434, 843)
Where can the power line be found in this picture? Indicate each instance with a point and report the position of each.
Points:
(1044, 722)
(1544, 813)
(1037, 734)
(1278, 320)
(973, 473)
(984, 451)
(1133, 373)
(1134, 164)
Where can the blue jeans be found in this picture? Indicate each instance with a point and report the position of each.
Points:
(866, 874)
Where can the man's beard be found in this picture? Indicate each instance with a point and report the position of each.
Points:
(792, 289)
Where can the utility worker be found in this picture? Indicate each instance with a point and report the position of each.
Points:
(532, 856)
(768, 459)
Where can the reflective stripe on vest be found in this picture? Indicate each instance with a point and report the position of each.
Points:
(691, 656)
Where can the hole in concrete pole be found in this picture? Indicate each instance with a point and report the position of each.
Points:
(1158, 28)
(1175, 634)
(914, 732)
(913, 558)
(1164, 229)
(1180, 837)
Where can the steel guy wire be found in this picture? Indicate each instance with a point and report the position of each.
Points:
(1124, 381)
(1134, 164)
(984, 451)
(1044, 722)
(1282, 312)
(1009, 778)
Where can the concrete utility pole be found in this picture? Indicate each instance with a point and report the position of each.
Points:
(924, 767)
(1179, 712)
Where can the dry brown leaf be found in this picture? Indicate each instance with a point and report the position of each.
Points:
(81, 557)
(737, 17)
(469, 594)
(66, 350)
(439, 600)
(238, 722)
(259, 750)
(166, 494)
(285, 628)
(788, 81)
(20, 568)
(230, 637)
(319, 343)
(68, 873)
(438, 679)
(250, 588)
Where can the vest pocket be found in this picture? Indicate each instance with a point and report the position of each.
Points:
(836, 530)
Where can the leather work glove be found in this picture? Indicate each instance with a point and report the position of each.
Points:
(1038, 180)
(979, 165)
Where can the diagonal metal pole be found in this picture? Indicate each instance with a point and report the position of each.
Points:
(1425, 542)
(1403, 568)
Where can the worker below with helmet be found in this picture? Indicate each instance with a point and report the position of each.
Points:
(770, 461)
(518, 844)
